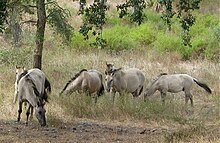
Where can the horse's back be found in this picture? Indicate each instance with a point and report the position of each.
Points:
(135, 74)
(38, 77)
(130, 80)
(93, 79)
(175, 82)
(25, 88)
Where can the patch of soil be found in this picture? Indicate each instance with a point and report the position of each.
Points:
(78, 132)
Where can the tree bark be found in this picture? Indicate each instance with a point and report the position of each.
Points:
(41, 22)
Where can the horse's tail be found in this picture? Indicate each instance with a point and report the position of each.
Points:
(72, 79)
(203, 85)
(47, 85)
(142, 87)
(65, 86)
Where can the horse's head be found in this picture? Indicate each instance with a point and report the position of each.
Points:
(109, 68)
(40, 114)
(20, 71)
(111, 76)
(109, 82)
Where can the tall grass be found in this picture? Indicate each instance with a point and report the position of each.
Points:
(81, 106)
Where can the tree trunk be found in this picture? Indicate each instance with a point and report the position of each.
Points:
(41, 22)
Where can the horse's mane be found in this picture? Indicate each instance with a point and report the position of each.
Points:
(37, 93)
(72, 79)
(157, 77)
(115, 70)
(28, 79)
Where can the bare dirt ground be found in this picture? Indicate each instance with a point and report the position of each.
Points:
(78, 132)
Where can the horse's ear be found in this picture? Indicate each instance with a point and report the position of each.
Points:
(17, 67)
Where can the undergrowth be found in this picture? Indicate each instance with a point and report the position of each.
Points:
(152, 33)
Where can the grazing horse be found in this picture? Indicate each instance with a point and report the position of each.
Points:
(174, 83)
(31, 89)
(89, 81)
(21, 72)
(125, 80)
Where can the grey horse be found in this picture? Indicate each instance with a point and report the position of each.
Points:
(21, 71)
(31, 89)
(125, 80)
(88, 81)
(173, 83)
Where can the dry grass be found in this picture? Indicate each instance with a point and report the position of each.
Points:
(60, 63)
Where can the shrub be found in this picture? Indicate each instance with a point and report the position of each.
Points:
(78, 41)
(144, 34)
(118, 38)
(167, 43)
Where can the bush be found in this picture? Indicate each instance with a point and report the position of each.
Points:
(167, 43)
(119, 38)
(78, 41)
(143, 34)
(206, 37)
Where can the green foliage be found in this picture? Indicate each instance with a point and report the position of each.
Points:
(168, 14)
(152, 17)
(57, 18)
(119, 38)
(143, 34)
(184, 13)
(185, 8)
(123, 35)
(167, 43)
(137, 14)
(3, 14)
(94, 16)
(79, 42)
(205, 39)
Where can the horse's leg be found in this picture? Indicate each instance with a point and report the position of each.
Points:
(145, 97)
(16, 93)
(19, 110)
(163, 95)
(113, 96)
(28, 113)
(191, 99)
(96, 99)
(188, 96)
(32, 112)
(135, 93)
